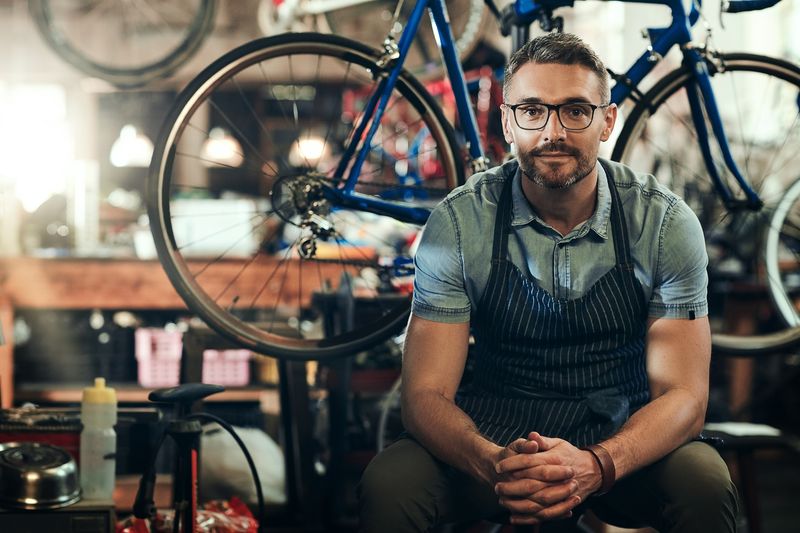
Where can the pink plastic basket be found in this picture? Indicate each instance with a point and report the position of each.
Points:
(226, 367)
(158, 353)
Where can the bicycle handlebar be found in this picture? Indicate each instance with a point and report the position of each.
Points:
(740, 6)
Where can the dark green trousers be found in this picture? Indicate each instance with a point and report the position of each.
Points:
(406, 489)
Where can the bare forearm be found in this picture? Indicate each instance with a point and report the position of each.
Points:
(655, 430)
(449, 434)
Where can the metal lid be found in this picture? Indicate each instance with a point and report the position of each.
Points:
(37, 476)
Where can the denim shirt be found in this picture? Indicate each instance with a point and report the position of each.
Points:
(454, 255)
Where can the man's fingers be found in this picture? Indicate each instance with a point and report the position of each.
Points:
(514, 444)
(526, 508)
(559, 510)
(524, 460)
(519, 446)
(521, 506)
(545, 443)
(556, 512)
(525, 446)
(553, 494)
(521, 488)
(548, 473)
(537, 491)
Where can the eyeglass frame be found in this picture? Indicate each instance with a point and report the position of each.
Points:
(550, 109)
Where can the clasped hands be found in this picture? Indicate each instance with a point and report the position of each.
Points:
(542, 478)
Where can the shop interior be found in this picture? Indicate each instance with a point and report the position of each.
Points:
(165, 222)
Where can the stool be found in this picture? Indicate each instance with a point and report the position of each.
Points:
(743, 440)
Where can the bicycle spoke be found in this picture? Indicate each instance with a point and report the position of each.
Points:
(280, 102)
(266, 283)
(219, 214)
(219, 232)
(232, 124)
(236, 278)
(748, 145)
(328, 132)
(258, 121)
(156, 14)
(280, 293)
(782, 146)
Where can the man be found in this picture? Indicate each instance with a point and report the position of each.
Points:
(584, 286)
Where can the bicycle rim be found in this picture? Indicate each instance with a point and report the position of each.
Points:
(249, 242)
(141, 40)
(370, 23)
(782, 255)
(758, 99)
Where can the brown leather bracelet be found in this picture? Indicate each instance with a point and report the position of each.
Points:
(608, 471)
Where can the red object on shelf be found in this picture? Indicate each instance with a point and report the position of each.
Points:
(43, 426)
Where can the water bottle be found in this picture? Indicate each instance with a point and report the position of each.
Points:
(98, 441)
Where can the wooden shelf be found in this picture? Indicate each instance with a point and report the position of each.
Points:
(35, 283)
(60, 393)
(127, 284)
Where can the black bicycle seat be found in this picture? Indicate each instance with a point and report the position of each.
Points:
(187, 393)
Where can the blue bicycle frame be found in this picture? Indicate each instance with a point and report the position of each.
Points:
(527, 11)
(663, 39)
(345, 196)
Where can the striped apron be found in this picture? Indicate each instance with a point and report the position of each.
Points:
(573, 369)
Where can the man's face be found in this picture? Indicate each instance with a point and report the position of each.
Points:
(554, 157)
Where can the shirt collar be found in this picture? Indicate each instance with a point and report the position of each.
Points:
(523, 214)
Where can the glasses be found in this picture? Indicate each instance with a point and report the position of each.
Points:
(572, 116)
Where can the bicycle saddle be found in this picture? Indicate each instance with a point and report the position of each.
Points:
(187, 393)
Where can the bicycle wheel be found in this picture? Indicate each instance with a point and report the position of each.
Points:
(141, 40)
(370, 23)
(758, 99)
(782, 255)
(255, 243)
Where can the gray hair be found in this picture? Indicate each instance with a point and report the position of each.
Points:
(561, 49)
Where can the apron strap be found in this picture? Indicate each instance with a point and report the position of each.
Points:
(502, 221)
(619, 229)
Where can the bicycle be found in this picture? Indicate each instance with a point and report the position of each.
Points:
(148, 40)
(368, 21)
(143, 41)
(337, 198)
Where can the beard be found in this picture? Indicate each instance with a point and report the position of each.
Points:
(553, 177)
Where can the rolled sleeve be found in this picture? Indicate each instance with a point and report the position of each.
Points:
(439, 289)
(681, 279)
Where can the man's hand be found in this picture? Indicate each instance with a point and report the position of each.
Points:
(547, 484)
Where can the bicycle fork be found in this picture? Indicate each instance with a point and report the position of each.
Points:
(702, 89)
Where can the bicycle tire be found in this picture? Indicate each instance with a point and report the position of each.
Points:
(369, 23)
(734, 241)
(781, 254)
(53, 18)
(327, 71)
